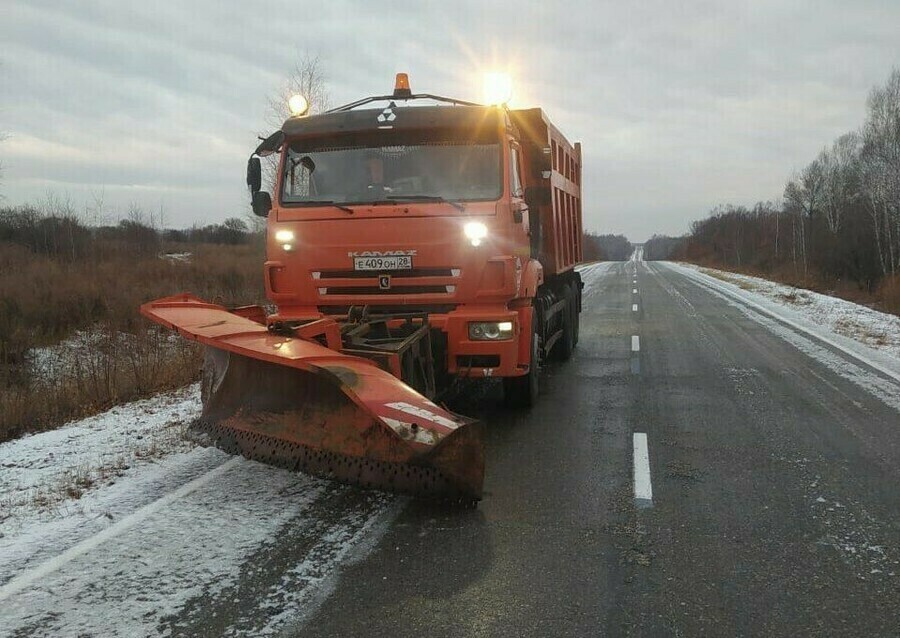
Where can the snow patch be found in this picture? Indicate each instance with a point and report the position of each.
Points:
(172, 531)
(38, 471)
(176, 257)
(591, 274)
(876, 330)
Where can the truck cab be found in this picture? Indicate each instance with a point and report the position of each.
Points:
(408, 203)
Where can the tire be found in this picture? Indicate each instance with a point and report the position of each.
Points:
(522, 392)
(564, 348)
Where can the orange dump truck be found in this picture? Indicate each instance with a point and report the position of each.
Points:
(412, 240)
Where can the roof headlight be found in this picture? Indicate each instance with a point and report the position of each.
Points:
(298, 105)
(497, 88)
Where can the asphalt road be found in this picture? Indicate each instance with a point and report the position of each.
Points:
(767, 505)
(775, 507)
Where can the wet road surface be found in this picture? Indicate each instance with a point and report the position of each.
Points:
(697, 468)
(775, 507)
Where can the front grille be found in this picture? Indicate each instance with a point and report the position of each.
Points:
(393, 290)
(437, 309)
(438, 281)
(368, 274)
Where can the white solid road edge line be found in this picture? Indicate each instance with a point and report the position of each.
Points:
(634, 307)
(643, 489)
(635, 343)
(709, 282)
(25, 579)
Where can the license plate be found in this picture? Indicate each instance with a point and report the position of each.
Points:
(390, 262)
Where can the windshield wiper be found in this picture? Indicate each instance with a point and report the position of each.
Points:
(330, 202)
(427, 198)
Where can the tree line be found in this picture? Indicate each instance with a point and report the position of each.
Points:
(838, 221)
(62, 234)
(606, 247)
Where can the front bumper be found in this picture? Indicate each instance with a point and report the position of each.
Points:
(470, 358)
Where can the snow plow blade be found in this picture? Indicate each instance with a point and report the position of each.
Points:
(295, 403)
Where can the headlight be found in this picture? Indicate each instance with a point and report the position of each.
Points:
(475, 231)
(284, 236)
(490, 330)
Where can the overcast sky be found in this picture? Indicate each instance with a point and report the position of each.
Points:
(680, 105)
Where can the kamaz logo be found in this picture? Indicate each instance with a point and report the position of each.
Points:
(386, 253)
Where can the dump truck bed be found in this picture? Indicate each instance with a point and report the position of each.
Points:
(561, 224)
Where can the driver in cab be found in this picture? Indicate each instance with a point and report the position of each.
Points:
(376, 188)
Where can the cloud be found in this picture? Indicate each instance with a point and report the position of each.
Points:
(679, 106)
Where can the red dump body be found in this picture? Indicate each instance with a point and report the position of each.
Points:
(561, 216)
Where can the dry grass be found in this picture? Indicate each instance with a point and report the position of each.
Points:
(44, 300)
(888, 294)
(724, 276)
(796, 297)
(885, 298)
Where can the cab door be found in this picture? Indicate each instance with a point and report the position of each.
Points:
(517, 205)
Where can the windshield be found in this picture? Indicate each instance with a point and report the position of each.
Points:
(452, 171)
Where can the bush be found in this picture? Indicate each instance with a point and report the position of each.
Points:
(60, 278)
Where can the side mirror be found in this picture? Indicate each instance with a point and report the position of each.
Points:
(262, 203)
(254, 174)
(536, 196)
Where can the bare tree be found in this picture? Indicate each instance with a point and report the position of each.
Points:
(308, 79)
(803, 196)
(839, 220)
(256, 225)
(875, 197)
(840, 183)
(881, 158)
(136, 214)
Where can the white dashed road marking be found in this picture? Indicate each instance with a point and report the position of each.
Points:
(643, 489)
(635, 343)
(634, 307)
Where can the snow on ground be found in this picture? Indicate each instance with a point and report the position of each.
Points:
(593, 273)
(176, 257)
(877, 330)
(39, 472)
(158, 529)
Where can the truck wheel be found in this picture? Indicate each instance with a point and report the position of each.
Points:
(566, 344)
(522, 392)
